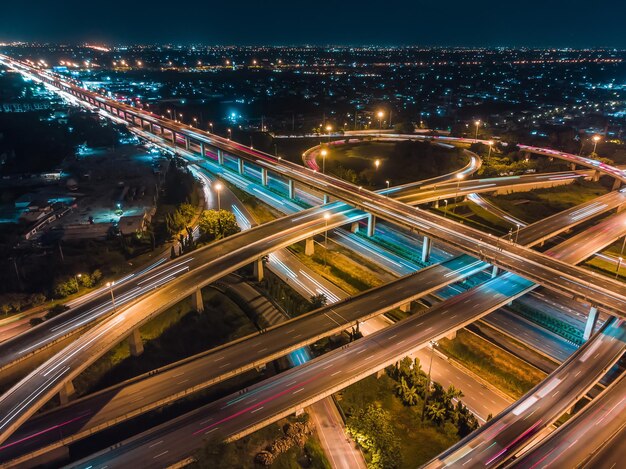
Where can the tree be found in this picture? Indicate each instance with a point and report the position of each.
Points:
(318, 301)
(216, 224)
(436, 412)
(371, 428)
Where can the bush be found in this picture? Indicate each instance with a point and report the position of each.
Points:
(56, 310)
(35, 321)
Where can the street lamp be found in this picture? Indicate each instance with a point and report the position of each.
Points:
(459, 176)
(211, 126)
(517, 232)
(477, 123)
(619, 264)
(218, 188)
(195, 121)
(230, 133)
(76, 277)
(445, 201)
(380, 119)
(329, 129)
(490, 145)
(324, 152)
(377, 163)
(110, 285)
(596, 139)
(387, 182)
(432, 352)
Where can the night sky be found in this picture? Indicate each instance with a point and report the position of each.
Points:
(536, 23)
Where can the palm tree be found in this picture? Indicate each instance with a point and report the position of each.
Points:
(410, 396)
(436, 412)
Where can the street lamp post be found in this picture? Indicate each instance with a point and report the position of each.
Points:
(490, 145)
(218, 188)
(596, 139)
(76, 277)
(380, 115)
(230, 133)
(517, 232)
(324, 152)
(211, 126)
(477, 125)
(110, 285)
(377, 163)
(426, 392)
(329, 129)
(326, 217)
(387, 182)
(445, 212)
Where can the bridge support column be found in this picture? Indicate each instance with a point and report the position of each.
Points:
(135, 343)
(220, 157)
(380, 373)
(67, 392)
(309, 247)
(240, 166)
(186, 143)
(572, 166)
(292, 189)
(451, 335)
(354, 227)
(426, 246)
(406, 307)
(173, 137)
(616, 184)
(592, 319)
(494, 271)
(202, 152)
(264, 176)
(326, 199)
(299, 412)
(371, 225)
(596, 176)
(436, 203)
(258, 269)
(197, 299)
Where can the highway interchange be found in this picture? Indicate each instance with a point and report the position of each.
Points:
(610, 294)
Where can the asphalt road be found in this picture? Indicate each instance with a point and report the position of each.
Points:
(593, 438)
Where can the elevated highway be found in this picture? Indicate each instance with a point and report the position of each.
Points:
(157, 390)
(240, 414)
(589, 287)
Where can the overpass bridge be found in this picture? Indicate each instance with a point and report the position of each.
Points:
(243, 413)
(258, 349)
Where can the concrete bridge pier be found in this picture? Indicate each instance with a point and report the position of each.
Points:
(426, 247)
(135, 343)
(592, 319)
(67, 392)
(202, 152)
(616, 184)
(240, 166)
(494, 271)
(258, 269)
(436, 204)
(326, 199)
(220, 157)
(264, 176)
(354, 227)
(572, 166)
(187, 143)
(405, 308)
(173, 137)
(292, 189)
(309, 246)
(197, 299)
(371, 225)
(596, 176)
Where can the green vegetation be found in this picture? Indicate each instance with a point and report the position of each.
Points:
(284, 296)
(73, 284)
(540, 203)
(400, 162)
(502, 369)
(216, 224)
(550, 322)
(304, 450)
(386, 416)
(335, 266)
(173, 335)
